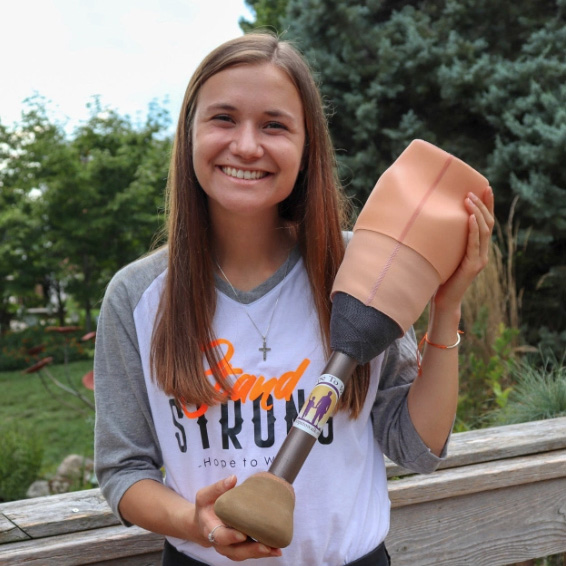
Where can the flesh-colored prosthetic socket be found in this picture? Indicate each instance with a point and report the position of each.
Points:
(411, 234)
(409, 238)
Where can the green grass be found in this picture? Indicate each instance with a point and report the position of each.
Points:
(62, 430)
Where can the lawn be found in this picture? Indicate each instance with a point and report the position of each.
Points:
(62, 429)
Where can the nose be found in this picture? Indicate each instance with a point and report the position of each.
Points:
(246, 143)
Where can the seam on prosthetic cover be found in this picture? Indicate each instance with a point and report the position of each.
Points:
(426, 196)
(360, 331)
(408, 227)
(403, 293)
(419, 200)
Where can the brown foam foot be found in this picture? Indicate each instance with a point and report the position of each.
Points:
(261, 507)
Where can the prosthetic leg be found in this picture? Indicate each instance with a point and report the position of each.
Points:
(410, 237)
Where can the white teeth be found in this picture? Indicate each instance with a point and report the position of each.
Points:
(241, 174)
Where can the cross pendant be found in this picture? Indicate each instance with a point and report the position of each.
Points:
(264, 349)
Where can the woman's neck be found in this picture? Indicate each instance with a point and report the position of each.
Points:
(250, 253)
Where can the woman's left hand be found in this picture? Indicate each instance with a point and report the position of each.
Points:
(480, 228)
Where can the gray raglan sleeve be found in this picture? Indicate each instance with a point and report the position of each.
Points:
(126, 445)
(393, 428)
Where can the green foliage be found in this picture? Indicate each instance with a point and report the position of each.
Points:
(19, 229)
(485, 384)
(483, 80)
(15, 347)
(21, 454)
(553, 343)
(539, 393)
(76, 208)
(554, 560)
(268, 14)
(62, 429)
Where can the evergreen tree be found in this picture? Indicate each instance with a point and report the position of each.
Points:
(268, 15)
(483, 80)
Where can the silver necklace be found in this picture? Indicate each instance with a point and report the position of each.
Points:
(264, 349)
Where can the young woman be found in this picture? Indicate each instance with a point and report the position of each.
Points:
(207, 348)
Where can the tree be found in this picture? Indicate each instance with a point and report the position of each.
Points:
(484, 80)
(268, 14)
(524, 103)
(17, 229)
(96, 197)
(23, 251)
(111, 202)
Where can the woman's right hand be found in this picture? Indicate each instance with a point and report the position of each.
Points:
(227, 541)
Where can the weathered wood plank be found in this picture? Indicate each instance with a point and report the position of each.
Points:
(60, 514)
(151, 559)
(10, 532)
(477, 478)
(109, 544)
(491, 528)
(498, 443)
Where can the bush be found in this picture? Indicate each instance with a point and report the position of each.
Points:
(485, 383)
(21, 456)
(15, 347)
(539, 393)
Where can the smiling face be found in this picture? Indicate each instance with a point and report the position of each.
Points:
(248, 137)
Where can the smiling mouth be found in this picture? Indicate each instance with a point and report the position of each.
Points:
(244, 174)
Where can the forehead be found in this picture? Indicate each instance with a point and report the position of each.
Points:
(258, 86)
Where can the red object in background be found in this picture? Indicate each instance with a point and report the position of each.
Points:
(62, 329)
(39, 365)
(36, 349)
(88, 380)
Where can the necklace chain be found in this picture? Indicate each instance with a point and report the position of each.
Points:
(264, 349)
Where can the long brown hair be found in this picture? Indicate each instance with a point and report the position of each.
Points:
(316, 209)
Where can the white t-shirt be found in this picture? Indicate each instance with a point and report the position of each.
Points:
(341, 491)
(342, 507)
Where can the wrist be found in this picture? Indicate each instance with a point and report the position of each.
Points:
(185, 518)
(442, 304)
(443, 323)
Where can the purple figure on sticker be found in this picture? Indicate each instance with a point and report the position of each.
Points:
(322, 407)
(309, 406)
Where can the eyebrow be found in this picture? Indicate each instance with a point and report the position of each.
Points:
(220, 106)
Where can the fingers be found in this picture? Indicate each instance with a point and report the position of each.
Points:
(244, 550)
(480, 225)
(208, 522)
(482, 209)
(221, 536)
(209, 494)
(225, 540)
(237, 546)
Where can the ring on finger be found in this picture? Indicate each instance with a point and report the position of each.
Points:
(211, 533)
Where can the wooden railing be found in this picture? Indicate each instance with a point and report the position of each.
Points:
(499, 498)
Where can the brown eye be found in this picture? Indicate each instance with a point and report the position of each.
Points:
(275, 126)
(222, 118)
